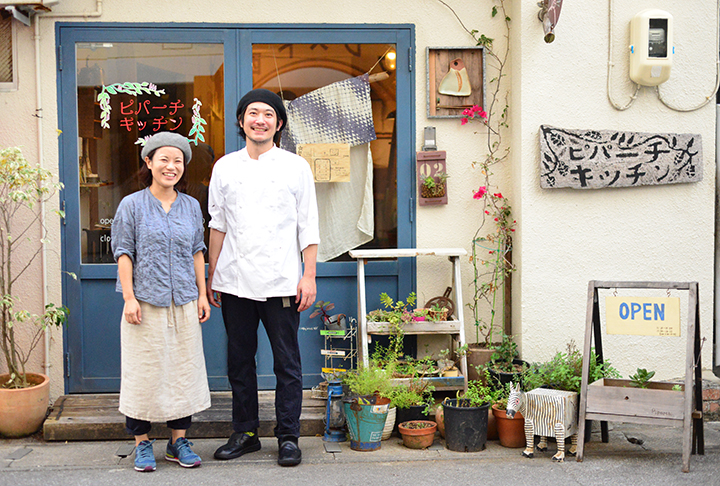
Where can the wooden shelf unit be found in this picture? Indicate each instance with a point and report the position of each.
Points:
(454, 328)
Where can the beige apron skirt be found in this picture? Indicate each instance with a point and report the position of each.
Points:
(163, 366)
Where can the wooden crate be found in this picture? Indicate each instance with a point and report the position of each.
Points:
(658, 401)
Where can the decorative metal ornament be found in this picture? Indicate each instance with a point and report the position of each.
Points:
(549, 15)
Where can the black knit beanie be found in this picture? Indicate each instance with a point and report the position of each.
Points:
(263, 96)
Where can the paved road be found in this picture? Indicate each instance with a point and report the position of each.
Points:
(635, 455)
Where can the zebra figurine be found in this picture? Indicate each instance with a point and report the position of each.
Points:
(548, 413)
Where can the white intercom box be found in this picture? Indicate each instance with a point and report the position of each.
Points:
(651, 47)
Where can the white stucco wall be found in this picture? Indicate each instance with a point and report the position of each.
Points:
(568, 237)
(565, 238)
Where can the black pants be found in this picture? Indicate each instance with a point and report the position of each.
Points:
(141, 427)
(241, 317)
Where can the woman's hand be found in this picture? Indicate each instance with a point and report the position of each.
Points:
(132, 312)
(203, 308)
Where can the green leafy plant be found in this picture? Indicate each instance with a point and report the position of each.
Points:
(396, 314)
(415, 392)
(564, 371)
(477, 395)
(447, 361)
(677, 388)
(434, 186)
(368, 380)
(641, 378)
(503, 354)
(322, 308)
(22, 188)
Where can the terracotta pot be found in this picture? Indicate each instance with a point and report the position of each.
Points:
(440, 419)
(492, 431)
(510, 430)
(418, 438)
(23, 410)
(478, 355)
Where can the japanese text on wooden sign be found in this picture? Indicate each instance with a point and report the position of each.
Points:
(643, 316)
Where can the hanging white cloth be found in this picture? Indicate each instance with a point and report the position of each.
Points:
(339, 113)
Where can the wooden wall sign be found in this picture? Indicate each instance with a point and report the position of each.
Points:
(430, 164)
(595, 159)
(456, 80)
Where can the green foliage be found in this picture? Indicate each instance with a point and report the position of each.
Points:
(641, 378)
(503, 354)
(322, 307)
(564, 371)
(415, 392)
(369, 380)
(396, 314)
(478, 394)
(22, 188)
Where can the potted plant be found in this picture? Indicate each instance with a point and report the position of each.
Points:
(504, 365)
(412, 399)
(511, 431)
(366, 405)
(418, 434)
(466, 418)
(24, 396)
(392, 318)
(447, 366)
(434, 186)
(337, 322)
(564, 371)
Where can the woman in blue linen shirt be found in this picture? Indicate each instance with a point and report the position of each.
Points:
(157, 240)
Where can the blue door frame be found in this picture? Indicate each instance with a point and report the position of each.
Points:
(92, 336)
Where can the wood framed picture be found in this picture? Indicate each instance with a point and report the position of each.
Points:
(456, 80)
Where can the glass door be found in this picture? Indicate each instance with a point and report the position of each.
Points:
(119, 84)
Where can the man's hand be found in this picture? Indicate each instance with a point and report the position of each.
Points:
(306, 292)
(212, 296)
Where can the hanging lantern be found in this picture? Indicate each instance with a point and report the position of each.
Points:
(334, 416)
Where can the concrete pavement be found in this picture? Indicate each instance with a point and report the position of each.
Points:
(635, 454)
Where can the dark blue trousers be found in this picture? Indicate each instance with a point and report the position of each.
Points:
(241, 317)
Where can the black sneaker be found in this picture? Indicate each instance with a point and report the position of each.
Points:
(289, 453)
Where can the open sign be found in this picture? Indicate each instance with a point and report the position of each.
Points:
(643, 316)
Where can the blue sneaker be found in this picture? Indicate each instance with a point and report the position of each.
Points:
(144, 457)
(181, 453)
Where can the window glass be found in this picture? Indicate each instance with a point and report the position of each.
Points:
(127, 92)
(294, 70)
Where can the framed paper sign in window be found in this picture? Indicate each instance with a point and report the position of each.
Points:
(456, 80)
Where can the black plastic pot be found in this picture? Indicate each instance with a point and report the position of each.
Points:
(414, 412)
(465, 427)
(502, 378)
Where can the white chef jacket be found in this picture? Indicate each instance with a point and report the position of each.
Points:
(267, 209)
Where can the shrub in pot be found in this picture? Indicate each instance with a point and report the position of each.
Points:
(23, 189)
(366, 405)
(466, 418)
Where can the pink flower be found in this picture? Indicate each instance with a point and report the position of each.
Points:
(480, 193)
(463, 121)
(498, 195)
